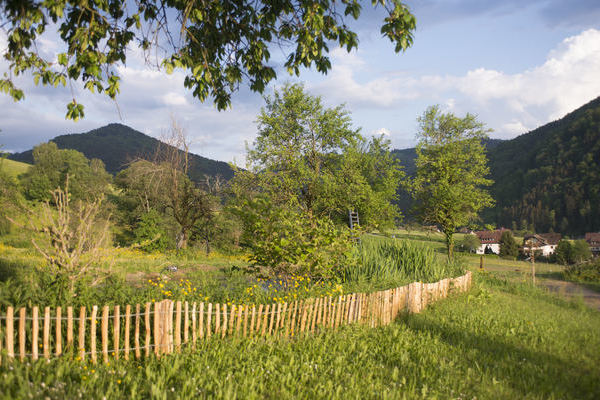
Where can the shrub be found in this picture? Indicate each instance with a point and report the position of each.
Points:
(150, 233)
(290, 242)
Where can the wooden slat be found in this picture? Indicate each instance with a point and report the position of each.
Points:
(239, 320)
(293, 320)
(224, 324)
(272, 318)
(22, 321)
(35, 330)
(186, 322)
(217, 319)
(147, 329)
(231, 318)
(127, 329)
(208, 320)
(194, 327)
(69, 327)
(283, 323)
(157, 327)
(116, 331)
(178, 326)
(304, 309)
(246, 312)
(93, 323)
(265, 320)
(201, 321)
(136, 332)
(104, 333)
(315, 312)
(10, 332)
(252, 320)
(81, 334)
(259, 317)
(46, 337)
(58, 341)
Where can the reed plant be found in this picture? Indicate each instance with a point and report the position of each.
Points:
(398, 260)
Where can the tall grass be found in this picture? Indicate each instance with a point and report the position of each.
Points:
(398, 260)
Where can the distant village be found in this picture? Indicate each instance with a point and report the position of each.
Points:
(542, 243)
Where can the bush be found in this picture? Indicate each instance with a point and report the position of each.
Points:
(150, 233)
(585, 272)
(293, 243)
(567, 253)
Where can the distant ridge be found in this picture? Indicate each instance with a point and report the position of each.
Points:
(117, 145)
(545, 180)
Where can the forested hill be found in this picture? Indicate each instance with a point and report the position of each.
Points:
(407, 158)
(117, 145)
(549, 178)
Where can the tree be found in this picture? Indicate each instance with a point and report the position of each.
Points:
(218, 43)
(88, 180)
(451, 171)
(470, 243)
(580, 252)
(309, 157)
(163, 185)
(508, 246)
(564, 252)
(73, 237)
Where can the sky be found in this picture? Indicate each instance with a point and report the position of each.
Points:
(516, 65)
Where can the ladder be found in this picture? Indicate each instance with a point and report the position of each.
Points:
(353, 217)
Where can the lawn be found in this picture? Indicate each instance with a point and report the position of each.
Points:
(502, 340)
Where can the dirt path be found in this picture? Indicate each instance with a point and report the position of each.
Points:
(569, 289)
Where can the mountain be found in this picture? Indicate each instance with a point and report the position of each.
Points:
(549, 178)
(544, 180)
(117, 145)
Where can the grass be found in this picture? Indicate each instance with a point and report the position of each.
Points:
(502, 340)
(14, 168)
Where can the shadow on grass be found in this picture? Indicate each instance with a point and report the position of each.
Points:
(533, 373)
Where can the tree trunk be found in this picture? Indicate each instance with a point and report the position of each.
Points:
(182, 239)
(450, 243)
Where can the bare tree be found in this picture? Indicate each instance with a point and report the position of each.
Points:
(74, 236)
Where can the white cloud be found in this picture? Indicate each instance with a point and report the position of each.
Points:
(509, 103)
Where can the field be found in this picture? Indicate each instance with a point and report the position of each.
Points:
(503, 339)
(14, 168)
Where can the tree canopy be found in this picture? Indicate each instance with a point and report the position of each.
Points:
(220, 44)
(310, 158)
(451, 171)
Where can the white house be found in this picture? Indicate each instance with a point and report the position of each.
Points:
(593, 240)
(490, 241)
(544, 242)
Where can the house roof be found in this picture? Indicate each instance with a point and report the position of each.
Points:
(592, 238)
(551, 237)
(543, 239)
(490, 237)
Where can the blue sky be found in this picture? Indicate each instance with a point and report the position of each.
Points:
(516, 66)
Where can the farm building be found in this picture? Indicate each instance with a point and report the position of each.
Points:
(593, 240)
(490, 241)
(544, 242)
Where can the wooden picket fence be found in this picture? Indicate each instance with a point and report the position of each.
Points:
(165, 327)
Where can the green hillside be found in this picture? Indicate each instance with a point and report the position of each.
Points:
(549, 178)
(117, 145)
(13, 168)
